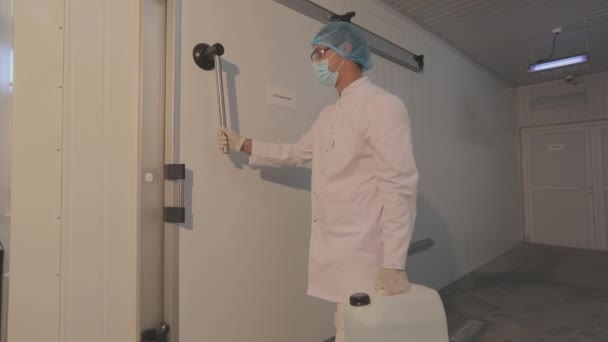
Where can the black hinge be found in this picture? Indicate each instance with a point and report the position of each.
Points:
(175, 172)
(156, 335)
(176, 214)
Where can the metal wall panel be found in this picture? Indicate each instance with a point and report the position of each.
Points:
(6, 110)
(463, 124)
(36, 182)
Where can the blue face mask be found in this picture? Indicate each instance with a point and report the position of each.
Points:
(324, 75)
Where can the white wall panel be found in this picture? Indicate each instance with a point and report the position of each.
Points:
(243, 249)
(463, 121)
(99, 298)
(6, 110)
(75, 171)
(36, 171)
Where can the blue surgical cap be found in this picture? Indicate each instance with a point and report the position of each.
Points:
(335, 34)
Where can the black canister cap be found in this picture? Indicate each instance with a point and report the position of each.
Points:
(360, 299)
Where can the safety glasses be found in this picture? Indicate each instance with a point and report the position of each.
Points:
(317, 55)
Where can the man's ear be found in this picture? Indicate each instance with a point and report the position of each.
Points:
(347, 48)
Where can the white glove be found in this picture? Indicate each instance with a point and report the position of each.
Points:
(227, 138)
(392, 282)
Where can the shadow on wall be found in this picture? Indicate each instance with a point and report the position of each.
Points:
(188, 187)
(436, 266)
(433, 267)
(232, 71)
(297, 178)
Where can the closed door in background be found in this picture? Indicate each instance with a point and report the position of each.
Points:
(559, 186)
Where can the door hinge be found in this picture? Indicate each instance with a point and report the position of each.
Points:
(176, 173)
(156, 335)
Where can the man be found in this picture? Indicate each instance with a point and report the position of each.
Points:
(364, 183)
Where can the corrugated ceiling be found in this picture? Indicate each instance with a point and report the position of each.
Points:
(506, 36)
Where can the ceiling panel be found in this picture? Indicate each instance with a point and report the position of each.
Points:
(506, 36)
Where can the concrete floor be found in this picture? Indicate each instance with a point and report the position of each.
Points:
(532, 293)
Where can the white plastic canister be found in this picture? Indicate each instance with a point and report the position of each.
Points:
(416, 316)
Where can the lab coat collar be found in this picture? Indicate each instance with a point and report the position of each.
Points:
(353, 86)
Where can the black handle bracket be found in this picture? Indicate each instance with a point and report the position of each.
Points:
(176, 173)
(204, 55)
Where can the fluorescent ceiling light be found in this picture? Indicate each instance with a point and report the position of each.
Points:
(559, 63)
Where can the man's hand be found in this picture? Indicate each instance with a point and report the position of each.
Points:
(392, 282)
(227, 138)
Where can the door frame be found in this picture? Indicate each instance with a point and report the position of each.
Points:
(594, 154)
(172, 156)
(159, 302)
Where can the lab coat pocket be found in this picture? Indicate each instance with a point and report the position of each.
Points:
(340, 149)
(342, 227)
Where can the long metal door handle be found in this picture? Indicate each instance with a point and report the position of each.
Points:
(209, 57)
(220, 93)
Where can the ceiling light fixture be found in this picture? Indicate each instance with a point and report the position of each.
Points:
(559, 63)
(545, 67)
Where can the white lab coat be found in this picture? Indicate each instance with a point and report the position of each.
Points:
(364, 188)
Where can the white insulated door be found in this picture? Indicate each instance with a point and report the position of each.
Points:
(243, 251)
(564, 203)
